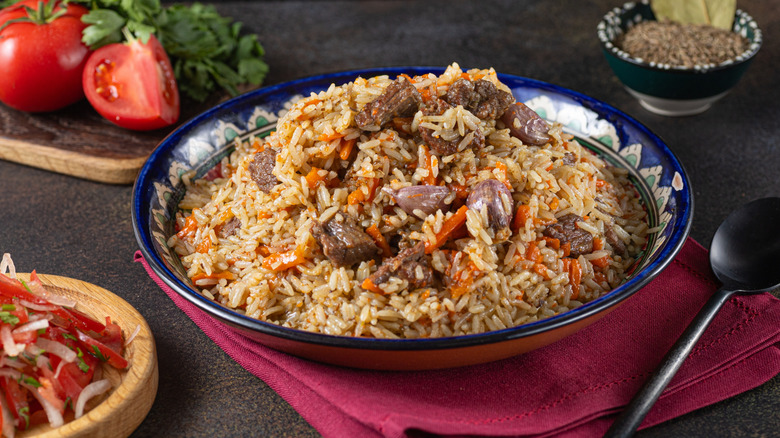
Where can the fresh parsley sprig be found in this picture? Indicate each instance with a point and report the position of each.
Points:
(207, 50)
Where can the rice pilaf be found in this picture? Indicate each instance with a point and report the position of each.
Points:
(410, 207)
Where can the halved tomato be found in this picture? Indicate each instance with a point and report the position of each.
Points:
(133, 85)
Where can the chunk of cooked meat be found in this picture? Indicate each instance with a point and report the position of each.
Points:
(410, 264)
(614, 241)
(229, 228)
(438, 145)
(443, 147)
(567, 231)
(481, 97)
(261, 169)
(400, 99)
(569, 159)
(344, 242)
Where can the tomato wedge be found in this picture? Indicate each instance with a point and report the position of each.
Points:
(17, 401)
(102, 351)
(133, 85)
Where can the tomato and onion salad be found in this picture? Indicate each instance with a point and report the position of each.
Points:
(52, 355)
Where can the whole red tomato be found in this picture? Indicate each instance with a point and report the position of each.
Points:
(41, 57)
(132, 85)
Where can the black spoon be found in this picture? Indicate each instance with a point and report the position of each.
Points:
(745, 256)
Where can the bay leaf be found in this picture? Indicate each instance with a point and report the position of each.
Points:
(717, 13)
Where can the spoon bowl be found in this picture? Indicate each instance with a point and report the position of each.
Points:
(745, 257)
(745, 250)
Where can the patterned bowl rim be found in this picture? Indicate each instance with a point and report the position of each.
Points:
(742, 21)
(144, 195)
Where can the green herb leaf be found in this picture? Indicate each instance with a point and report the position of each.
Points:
(32, 381)
(140, 30)
(8, 318)
(98, 354)
(9, 307)
(207, 50)
(83, 365)
(25, 414)
(105, 28)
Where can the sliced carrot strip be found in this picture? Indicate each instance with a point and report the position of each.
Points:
(380, 240)
(601, 262)
(204, 245)
(330, 137)
(190, 226)
(346, 148)
(447, 228)
(552, 242)
(575, 278)
(214, 275)
(533, 253)
(522, 214)
(282, 261)
(369, 285)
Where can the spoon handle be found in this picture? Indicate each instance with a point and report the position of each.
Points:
(628, 422)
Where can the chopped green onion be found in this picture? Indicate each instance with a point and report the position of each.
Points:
(96, 352)
(32, 381)
(8, 318)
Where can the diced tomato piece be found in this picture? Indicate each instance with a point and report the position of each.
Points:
(101, 351)
(17, 401)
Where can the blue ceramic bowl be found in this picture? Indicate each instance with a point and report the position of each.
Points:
(670, 90)
(200, 143)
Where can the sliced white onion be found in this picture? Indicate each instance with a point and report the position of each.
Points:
(10, 372)
(6, 361)
(43, 362)
(38, 307)
(11, 348)
(37, 288)
(59, 368)
(32, 326)
(92, 390)
(52, 413)
(8, 420)
(37, 316)
(7, 266)
(57, 349)
(59, 300)
(33, 350)
(133, 335)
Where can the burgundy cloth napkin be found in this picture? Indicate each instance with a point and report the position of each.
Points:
(573, 387)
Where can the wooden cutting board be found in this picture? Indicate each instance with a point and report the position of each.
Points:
(77, 141)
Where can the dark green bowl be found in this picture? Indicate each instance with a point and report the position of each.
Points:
(671, 90)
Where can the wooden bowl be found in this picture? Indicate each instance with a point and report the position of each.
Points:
(118, 412)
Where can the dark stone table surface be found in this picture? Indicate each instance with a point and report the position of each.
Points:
(66, 226)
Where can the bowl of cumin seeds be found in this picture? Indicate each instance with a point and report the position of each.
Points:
(674, 68)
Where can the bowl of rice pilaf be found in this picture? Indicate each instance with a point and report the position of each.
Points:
(675, 68)
(410, 217)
